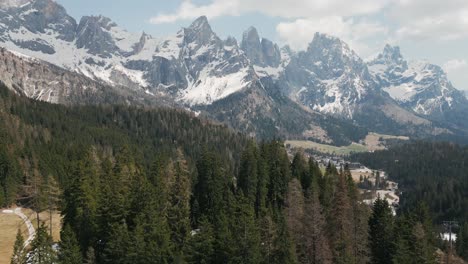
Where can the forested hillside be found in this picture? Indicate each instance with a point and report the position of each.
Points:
(161, 186)
(435, 173)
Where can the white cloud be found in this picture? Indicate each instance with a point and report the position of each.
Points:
(455, 65)
(430, 19)
(188, 10)
(277, 8)
(300, 32)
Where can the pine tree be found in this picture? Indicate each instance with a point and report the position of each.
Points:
(201, 244)
(268, 235)
(300, 170)
(462, 241)
(340, 223)
(327, 186)
(315, 177)
(294, 213)
(19, 253)
(403, 252)
(179, 206)
(148, 231)
(279, 172)
(381, 233)
(423, 250)
(284, 252)
(41, 248)
(82, 200)
(246, 238)
(117, 248)
(248, 172)
(360, 220)
(90, 257)
(69, 250)
(315, 241)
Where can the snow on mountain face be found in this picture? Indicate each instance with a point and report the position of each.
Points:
(418, 85)
(268, 59)
(328, 77)
(215, 70)
(12, 3)
(193, 67)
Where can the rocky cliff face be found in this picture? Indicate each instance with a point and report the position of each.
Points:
(46, 82)
(420, 86)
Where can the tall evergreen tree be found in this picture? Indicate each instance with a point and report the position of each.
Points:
(462, 241)
(41, 248)
(179, 206)
(69, 249)
(300, 170)
(381, 233)
(248, 172)
(294, 213)
(246, 239)
(284, 252)
(19, 252)
(340, 223)
(315, 242)
(201, 244)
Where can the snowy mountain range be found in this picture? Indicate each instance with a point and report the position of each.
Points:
(245, 85)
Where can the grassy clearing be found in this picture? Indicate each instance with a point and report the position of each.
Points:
(323, 148)
(375, 141)
(44, 218)
(9, 224)
(372, 142)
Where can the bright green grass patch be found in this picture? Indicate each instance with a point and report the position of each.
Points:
(328, 149)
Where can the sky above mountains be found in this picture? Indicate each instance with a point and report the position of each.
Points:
(432, 30)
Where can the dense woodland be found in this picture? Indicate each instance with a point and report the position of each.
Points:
(433, 172)
(161, 186)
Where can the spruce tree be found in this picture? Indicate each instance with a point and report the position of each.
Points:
(41, 248)
(69, 250)
(246, 237)
(179, 206)
(300, 170)
(462, 241)
(90, 257)
(381, 233)
(294, 213)
(19, 252)
(201, 243)
(315, 241)
(340, 223)
(248, 172)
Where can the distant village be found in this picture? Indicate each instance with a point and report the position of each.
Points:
(372, 184)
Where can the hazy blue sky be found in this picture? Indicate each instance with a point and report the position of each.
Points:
(433, 30)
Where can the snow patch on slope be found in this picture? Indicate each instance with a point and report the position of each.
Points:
(208, 88)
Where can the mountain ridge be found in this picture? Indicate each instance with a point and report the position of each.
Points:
(195, 69)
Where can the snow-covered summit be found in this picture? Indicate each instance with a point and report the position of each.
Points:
(419, 85)
(13, 3)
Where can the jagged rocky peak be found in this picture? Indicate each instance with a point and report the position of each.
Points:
(251, 46)
(330, 57)
(96, 21)
(200, 33)
(391, 57)
(324, 45)
(271, 53)
(40, 15)
(231, 42)
(92, 34)
(261, 52)
(138, 47)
